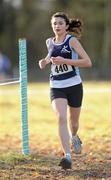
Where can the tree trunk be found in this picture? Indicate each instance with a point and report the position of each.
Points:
(107, 35)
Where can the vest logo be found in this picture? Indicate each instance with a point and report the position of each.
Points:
(64, 49)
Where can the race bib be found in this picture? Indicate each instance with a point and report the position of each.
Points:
(61, 69)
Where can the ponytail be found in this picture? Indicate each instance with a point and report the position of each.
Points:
(75, 26)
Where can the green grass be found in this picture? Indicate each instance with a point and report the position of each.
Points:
(95, 131)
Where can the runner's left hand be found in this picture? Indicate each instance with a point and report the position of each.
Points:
(57, 60)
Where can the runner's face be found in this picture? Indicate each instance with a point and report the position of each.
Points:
(59, 25)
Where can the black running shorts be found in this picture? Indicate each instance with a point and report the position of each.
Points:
(73, 94)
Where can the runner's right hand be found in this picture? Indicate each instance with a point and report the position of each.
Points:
(42, 63)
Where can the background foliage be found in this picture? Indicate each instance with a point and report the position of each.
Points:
(31, 19)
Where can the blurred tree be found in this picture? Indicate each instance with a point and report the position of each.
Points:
(32, 20)
(8, 31)
(33, 23)
(91, 13)
(62, 4)
(106, 45)
(1, 16)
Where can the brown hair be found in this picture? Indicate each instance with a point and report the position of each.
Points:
(75, 25)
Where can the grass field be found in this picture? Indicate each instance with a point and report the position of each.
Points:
(42, 163)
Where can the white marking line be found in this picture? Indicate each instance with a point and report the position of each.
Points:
(46, 91)
(7, 83)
